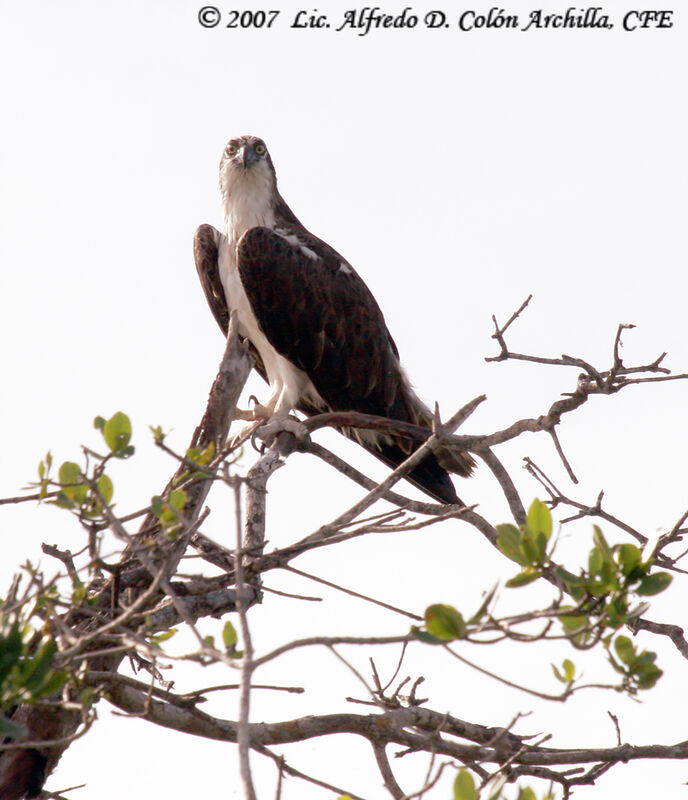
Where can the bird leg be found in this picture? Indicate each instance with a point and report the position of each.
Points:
(268, 421)
(256, 416)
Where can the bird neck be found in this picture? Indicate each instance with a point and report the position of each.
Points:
(247, 200)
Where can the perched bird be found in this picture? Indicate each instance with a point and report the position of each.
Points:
(317, 333)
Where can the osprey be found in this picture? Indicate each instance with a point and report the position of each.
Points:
(318, 336)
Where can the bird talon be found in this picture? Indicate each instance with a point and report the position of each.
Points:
(257, 413)
(254, 443)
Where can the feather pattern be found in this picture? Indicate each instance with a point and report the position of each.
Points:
(315, 313)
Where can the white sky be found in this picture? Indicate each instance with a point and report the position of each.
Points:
(458, 172)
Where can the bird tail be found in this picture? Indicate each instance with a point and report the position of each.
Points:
(431, 475)
(446, 458)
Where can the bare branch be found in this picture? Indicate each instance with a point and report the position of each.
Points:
(386, 771)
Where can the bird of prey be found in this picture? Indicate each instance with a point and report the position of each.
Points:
(315, 329)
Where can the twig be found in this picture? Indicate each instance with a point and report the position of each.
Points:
(400, 472)
(515, 504)
(328, 641)
(615, 720)
(557, 446)
(351, 592)
(26, 498)
(558, 697)
(386, 771)
(368, 483)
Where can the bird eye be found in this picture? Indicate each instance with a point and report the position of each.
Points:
(260, 149)
(231, 149)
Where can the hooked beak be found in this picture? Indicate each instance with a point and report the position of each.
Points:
(247, 157)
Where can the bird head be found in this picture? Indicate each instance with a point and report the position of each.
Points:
(247, 181)
(243, 157)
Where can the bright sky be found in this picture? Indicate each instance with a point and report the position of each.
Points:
(458, 172)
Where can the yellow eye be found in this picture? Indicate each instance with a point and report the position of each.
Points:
(260, 149)
(231, 149)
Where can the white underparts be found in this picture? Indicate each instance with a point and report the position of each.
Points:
(247, 200)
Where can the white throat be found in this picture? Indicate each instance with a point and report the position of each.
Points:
(246, 199)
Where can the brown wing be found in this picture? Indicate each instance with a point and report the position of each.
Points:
(207, 241)
(324, 319)
(319, 314)
(206, 247)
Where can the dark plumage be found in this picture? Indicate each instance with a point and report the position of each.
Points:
(297, 297)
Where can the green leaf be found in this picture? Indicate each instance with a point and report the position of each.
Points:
(37, 668)
(526, 793)
(541, 546)
(445, 622)
(529, 548)
(569, 579)
(617, 611)
(539, 519)
(509, 542)
(229, 636)
(117, 432)
(573, 622)
(625, 650)
(158, 638)
(156, 505)
(576, 628)
(464, 786)
(86, 696)
(616, 666)
(568, 673)
(78, 595)
(177, 499)
(424, 636)
(158, 434)
(597, 588)
(574, 584)
(202, 457)
(53, 684)
(595, 562)
(528, 575)
(629, 558)
(99, 423)
(601, 542)
(69, 473)
(105, 488)
(73, 491)
(569, 669)
(11, 648)
(480, 613)
(637, 611)
(654, 584)
(647, 674)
